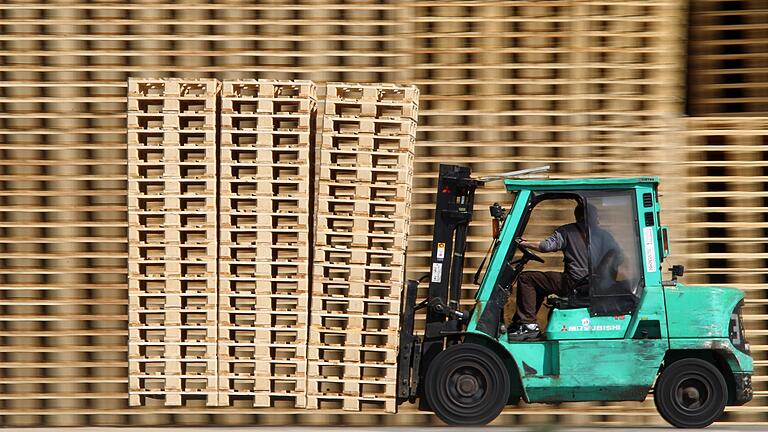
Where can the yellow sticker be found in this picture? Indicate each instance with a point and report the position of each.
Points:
(440, 251)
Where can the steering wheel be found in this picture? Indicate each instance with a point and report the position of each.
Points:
(528, 255)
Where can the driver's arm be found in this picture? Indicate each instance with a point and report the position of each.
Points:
(553, 243)
(530, 245)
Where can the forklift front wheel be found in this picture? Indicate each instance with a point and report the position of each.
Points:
(467, 385)
(690, 393)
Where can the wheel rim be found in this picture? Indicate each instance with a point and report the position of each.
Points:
(693, 393)
(466, 386)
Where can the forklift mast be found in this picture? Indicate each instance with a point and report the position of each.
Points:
(453, 212)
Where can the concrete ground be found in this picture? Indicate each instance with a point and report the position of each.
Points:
(714, 428)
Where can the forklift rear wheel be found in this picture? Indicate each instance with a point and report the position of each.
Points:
(467, 384)
(690, 393)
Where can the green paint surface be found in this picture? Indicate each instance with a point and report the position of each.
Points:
(737, 360)
(579, 184)
(701, 311)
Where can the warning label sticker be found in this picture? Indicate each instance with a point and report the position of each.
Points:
(437, 272)
(650, 249)
(440, 255)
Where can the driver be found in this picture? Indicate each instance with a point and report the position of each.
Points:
(534, 286)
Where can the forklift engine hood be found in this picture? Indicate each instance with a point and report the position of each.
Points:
(709, 318)
(700, 311)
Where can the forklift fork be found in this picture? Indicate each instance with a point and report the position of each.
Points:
(409, 356)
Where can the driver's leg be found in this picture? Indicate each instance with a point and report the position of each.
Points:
(532, 288)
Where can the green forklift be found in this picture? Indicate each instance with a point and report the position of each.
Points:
(629, 334)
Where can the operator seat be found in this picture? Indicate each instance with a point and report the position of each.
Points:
(603, 279)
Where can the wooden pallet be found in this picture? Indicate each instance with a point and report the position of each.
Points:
(353, 224)
(372, 109)
(369, 142)
(173, 87)
(393, 175)
(266, 139)
(349, 125)
(374, 192)
(160, 139)
(172, 398)
(158, 122)
(363, 371)
(261, 352)
(267, 105)
(321, 336)
(373, 92)
(363, 159)
(262, 285)
(351, 403)
(270, 89)
(272, 122)
(155, 104)
(159, 366)
(350, 305)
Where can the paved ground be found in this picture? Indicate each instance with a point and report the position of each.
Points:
(715, 428)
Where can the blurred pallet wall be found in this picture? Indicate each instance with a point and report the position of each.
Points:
(728, 57)
(727, 209)
(591, 87)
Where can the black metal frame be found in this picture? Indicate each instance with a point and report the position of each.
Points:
(453, 212)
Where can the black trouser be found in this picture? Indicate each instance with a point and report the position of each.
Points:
(532, 288)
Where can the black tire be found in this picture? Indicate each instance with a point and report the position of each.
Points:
(467, 385)
(690, 393)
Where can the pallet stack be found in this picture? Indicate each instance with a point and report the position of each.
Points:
(724, 197)
(366, 162)
(266, 148)
(172, 240)
(493, 76)
(728, 58)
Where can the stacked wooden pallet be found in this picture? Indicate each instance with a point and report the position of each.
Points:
(625, 56)
(362, 223)
(586, 87)
(728, 57)
(723, 190)
(493, 76)
(266, 147)
(172, 239)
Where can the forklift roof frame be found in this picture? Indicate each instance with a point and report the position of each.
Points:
(513, 185)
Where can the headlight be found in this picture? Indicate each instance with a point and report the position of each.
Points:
(736, 329)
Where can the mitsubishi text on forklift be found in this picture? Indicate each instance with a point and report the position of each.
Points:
(626, 333)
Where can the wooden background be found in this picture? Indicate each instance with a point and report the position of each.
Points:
(613, 87)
